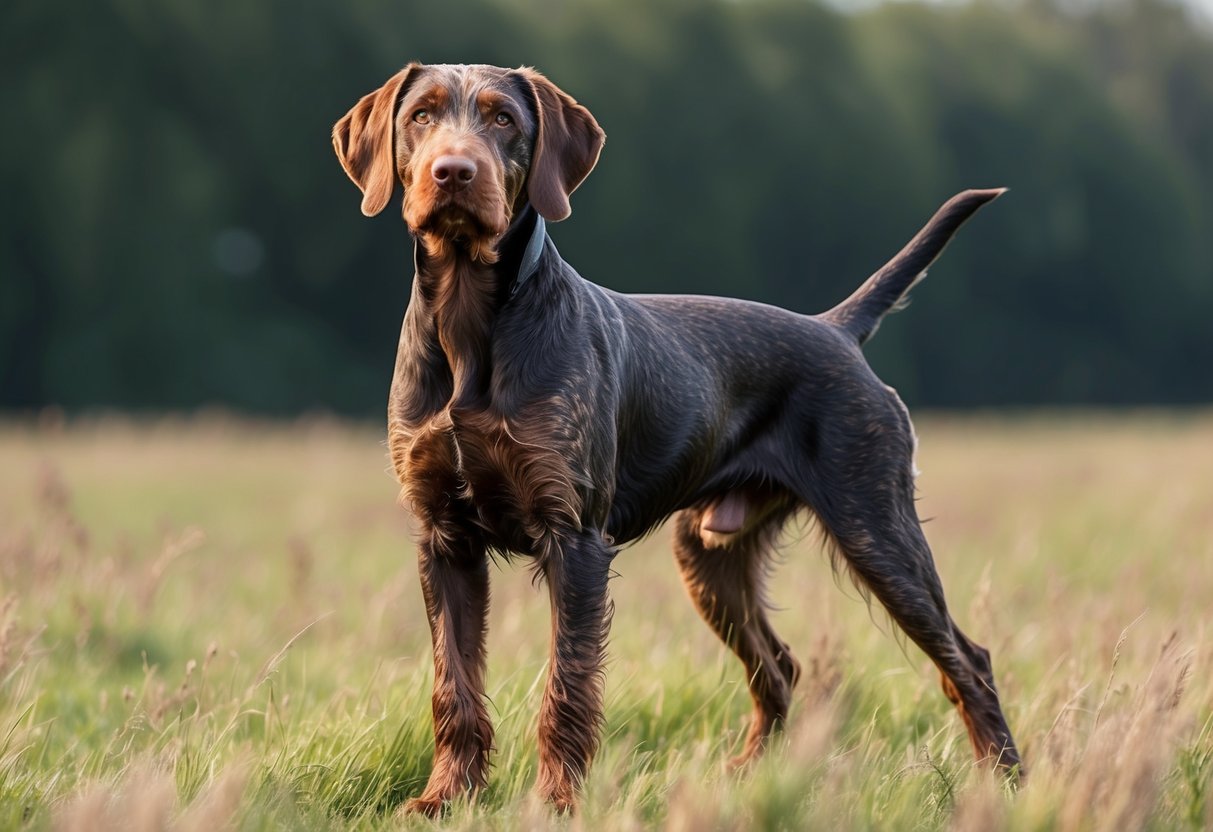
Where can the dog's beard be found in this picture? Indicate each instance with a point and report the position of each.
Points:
(450, 227)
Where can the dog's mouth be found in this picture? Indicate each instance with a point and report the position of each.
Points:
(456, 222)
(451, 227)
(452, 219)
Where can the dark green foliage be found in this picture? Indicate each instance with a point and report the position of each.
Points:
(175, 230)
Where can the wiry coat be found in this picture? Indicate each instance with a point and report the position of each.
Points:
(534, 412)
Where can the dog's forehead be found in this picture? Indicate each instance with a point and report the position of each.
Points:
(465, 82)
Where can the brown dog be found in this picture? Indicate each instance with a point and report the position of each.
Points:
(533, 412)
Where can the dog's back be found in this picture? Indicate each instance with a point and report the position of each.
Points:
(715, 390)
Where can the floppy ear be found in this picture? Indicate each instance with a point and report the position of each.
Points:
(567, 143)
(364, 140)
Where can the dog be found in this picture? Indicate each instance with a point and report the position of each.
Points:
(534, 413)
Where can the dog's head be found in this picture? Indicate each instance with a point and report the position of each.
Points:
(471, 145)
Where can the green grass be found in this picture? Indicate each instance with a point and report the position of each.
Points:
(208, 623)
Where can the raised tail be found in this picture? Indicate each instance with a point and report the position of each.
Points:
(886, 290)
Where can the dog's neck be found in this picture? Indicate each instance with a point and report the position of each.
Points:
(460, 287)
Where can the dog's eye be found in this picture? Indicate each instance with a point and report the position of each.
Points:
(504, 120)
(422, 116)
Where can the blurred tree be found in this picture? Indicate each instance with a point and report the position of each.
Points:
(175, 231)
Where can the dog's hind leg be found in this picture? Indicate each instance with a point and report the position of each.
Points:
(894, 562)
(863, 492)
(726, 580)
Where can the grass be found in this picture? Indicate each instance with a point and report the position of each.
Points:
(211, 624)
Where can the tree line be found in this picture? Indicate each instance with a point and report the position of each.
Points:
(176, 232)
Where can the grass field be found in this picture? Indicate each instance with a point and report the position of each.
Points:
(211, 624)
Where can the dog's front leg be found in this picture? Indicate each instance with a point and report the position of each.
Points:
(455, 583)
(577, 567)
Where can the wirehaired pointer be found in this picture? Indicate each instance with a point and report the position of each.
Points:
(535, 413)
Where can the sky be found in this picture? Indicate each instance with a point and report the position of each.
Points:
(1203, 8)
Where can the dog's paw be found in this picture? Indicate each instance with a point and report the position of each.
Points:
(430, 807)
(561, 797)
(563, 805)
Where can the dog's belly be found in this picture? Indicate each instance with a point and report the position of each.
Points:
(473, 467)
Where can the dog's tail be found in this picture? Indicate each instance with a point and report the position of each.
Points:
(886, 290)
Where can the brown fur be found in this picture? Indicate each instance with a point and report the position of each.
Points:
(558, 420)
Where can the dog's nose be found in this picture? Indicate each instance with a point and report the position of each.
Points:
(453, 173)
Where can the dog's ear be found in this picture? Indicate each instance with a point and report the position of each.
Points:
(365, 141)
(567, 143)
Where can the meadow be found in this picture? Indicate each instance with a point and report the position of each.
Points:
(210, 623)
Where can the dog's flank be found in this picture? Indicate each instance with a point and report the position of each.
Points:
(887, 290)
(534, 412)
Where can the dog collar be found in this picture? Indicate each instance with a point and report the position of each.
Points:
(530, 257)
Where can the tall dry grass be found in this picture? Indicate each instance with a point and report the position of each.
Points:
(210, 624)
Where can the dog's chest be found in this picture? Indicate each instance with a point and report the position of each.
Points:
(513, 481)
